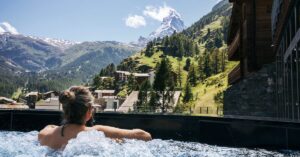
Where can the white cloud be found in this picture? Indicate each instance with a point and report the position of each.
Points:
(158, 13)
(6, 27)
(1, 30)
(135, 21)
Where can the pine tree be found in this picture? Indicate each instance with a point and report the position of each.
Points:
(164, 84)
(223, 61)
(216, 61)
(207, 68)
(188, 95)
(179, 73)
(201, 68)
(131, 83)
(153, 102)
(97, 81)
(197, 50)
(143, 95)
(187, 64)
(192, 78)
(149, 49)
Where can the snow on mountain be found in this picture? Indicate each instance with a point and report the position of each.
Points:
(170, 24)
(61, 43)
(5, 27)
(8, 29)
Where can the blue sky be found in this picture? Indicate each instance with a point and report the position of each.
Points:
(96, 20)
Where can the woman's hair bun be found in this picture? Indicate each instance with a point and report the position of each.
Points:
(67, 97)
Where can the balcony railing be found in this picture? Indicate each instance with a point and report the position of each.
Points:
(234, 75)
(233, 48)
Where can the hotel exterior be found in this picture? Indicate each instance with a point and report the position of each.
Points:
(286, 45)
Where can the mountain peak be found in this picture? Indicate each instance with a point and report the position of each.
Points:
(5, 27)
(170, 24)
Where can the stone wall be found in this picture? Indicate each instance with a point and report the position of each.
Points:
(254, 95)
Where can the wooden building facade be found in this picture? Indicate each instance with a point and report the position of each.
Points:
(249, 37)
(286, 44)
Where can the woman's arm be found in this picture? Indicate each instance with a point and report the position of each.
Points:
(113, 132)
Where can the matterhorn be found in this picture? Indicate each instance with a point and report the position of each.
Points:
(170, 24)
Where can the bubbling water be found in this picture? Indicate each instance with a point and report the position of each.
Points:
(95, 144)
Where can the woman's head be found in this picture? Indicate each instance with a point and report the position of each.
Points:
(77, 104)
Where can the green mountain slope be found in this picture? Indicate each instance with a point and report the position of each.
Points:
(204, 45)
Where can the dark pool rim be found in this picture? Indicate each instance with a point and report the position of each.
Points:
(231, 131)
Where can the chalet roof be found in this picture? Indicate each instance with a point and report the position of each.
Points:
(15, 106)
(104, 91)
(4, 100)
(49, 92)
(134, 74)
(32, 93)
(123, 72)
(141, 74)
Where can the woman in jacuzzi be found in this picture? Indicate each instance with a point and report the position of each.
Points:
(77, 106)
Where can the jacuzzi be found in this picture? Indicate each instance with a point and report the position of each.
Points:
(174, 135)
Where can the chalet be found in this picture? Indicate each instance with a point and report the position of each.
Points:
(122, 75)
(50, 102)
(50, 94)
(139, 77)
(249, 37)
(6, 103)
(286, 45)
(31, 99)
(104, 93)
(4, 100)
(106, 99)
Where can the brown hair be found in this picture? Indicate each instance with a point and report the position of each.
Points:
(76, 101)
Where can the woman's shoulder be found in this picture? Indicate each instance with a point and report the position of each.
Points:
(49, 129)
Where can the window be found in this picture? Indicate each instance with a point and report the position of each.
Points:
(298, 15)
(293, 24)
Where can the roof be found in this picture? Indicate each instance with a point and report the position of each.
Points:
(128, 103)
(32, 93)
(16, 106)
(141, 74)
(7, 100)
(49, 92)
(104, 91)
(123, 72)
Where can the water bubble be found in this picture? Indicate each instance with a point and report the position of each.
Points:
(95, 144)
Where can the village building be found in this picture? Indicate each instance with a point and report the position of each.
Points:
(31, 99)
(106, 100)
(122, 75)
(139, 77)
(6, 103)
(4, 100)
(49, 103)
(48, 100)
